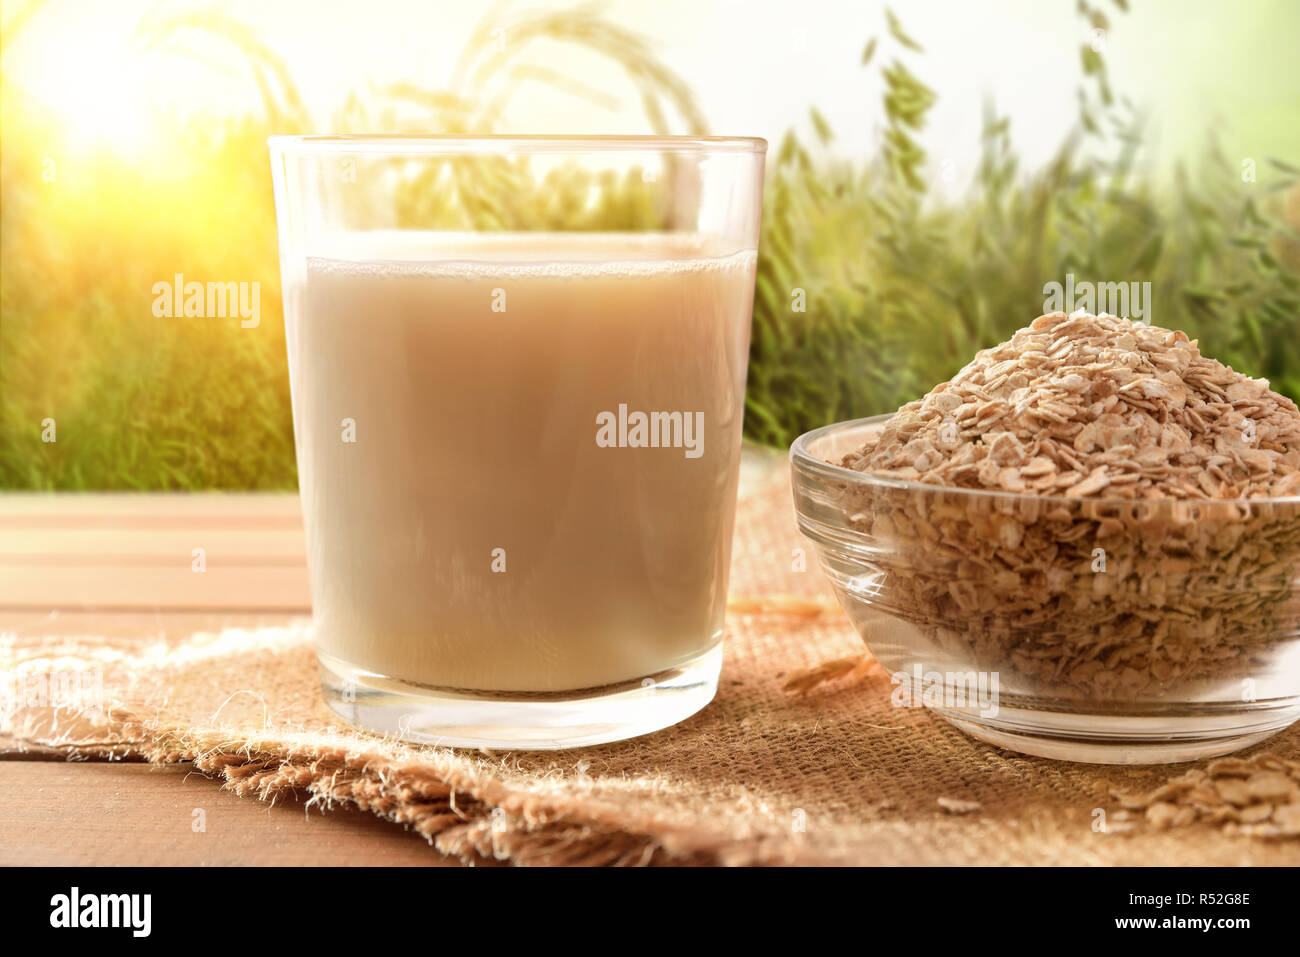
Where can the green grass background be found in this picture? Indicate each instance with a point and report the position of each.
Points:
(902, 282)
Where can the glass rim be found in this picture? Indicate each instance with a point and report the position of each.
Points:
(804, 461)
(488, 143)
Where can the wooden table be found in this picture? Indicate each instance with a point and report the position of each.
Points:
(125, 565)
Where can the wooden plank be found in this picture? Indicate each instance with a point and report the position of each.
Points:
(147, 625)
(126, 508)
(120, 565)
(122, 586)
(123, 552)
(138, 814)
(157, 546)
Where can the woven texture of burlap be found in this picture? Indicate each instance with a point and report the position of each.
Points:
(761, 776)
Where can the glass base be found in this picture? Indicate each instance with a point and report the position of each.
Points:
(1124, 739)
(531, 721)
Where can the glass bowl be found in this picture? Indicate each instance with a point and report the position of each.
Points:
(1112, 631)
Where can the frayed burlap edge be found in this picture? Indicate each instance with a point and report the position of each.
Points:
(465, 809)
(471, 817)
(462, 820)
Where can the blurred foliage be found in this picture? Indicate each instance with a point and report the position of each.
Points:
(141, 402)
(902, 282)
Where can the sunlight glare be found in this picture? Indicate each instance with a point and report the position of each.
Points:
(100, 99)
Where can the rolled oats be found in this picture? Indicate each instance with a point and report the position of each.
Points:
(1124, 395)
(1257, 796)
(1142, 545)
(958, 805)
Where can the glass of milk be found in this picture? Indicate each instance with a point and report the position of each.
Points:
(518, 375)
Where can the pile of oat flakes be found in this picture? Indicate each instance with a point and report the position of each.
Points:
(1259, 796)
(1096, 406)
(1143, 546)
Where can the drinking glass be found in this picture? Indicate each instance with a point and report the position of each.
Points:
(518, 370)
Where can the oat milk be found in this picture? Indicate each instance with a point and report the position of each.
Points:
(469, 524)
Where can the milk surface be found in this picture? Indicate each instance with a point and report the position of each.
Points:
(482, 510)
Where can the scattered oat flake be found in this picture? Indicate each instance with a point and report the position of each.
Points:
(854, 667)
(958, 806)
(1257, 796)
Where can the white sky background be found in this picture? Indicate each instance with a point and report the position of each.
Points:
(755, 65)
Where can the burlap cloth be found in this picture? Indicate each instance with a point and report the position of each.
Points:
(761, 776)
